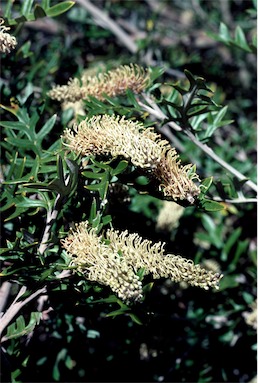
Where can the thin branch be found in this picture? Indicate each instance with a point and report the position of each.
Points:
(15, 307)
(106, 21)
(236, 200)
(225, 12)
(51, 218)
(64, 274)
(4, 293)
(157, 112)
(206, 149)
(126, 39)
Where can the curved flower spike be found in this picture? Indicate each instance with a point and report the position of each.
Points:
(115, 259)
(116, 136)
(112, 83)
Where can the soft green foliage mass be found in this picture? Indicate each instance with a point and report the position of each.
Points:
(128, 189)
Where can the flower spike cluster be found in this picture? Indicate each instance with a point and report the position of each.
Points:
(117, 136)
(115, 259)
(112, 83)
(7, 42)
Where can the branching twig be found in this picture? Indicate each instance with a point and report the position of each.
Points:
(15, 307)
(105, 20)
(154, 110)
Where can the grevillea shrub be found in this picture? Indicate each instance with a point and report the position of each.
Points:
(127, 192)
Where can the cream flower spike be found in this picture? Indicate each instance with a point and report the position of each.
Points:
(99, 263)
(114, 260)
(7, 42)
(117, 136)
(112, 83)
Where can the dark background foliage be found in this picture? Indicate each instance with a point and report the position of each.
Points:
(185, 335)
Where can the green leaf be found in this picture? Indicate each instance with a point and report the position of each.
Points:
(24, 50)
(23, 116)
(240, 39)
(197, 111)
(229, 282)
(110, 299)
(220, 114)
(224, 32)
(210, 205)
(131, 97)
(100, 165)
(155, 72)
(60, 172)
(30, 203)
(190, 78)
(14, 125)
(39, 12)
(73, 174)
(17, 213)
(18, 328)
(93, 211)
(102, 186)
(95, 187)
(208, 223)
(21, 143)
(232, 240)
(58, 9)
(120, 168)
(92, 175)
(46, 128)
(249, 298)
(241, 249)
(141, 273)
(147, 288)
(60, 356)
(205, 185)
(96, 222)
(179, 89)
(7, 9)
(107, 219)
(56, 186)
(135, 318)
(115, 313)
(26, 7)
(20, 168)
(45, 4)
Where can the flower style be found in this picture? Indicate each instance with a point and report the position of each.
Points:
(7, 42)
(115, 259)
(116, 136)
(112, 83)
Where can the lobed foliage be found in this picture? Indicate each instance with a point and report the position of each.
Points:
(98, 141)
